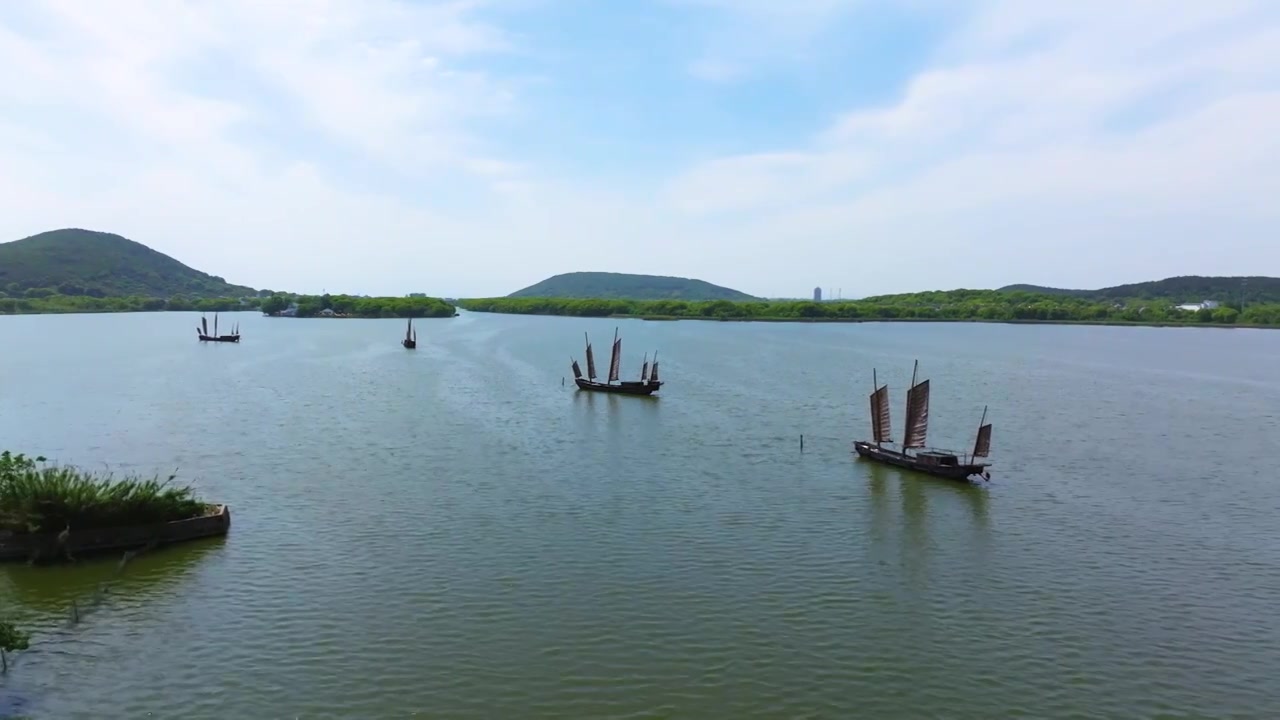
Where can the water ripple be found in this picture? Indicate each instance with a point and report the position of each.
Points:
(453, 533)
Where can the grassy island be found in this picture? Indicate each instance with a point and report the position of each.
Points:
(356, 306)
(36, 497)
(952, 305)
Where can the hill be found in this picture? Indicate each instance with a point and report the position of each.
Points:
(624, 286)
(85, 262)
(1186, 288)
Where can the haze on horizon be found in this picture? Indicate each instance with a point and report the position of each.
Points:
(471, 148)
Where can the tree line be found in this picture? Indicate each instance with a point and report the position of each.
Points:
(40, 302)
(365, 307)
(985, 305)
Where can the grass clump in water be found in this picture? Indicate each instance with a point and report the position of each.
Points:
(40, 498)
(11, 640)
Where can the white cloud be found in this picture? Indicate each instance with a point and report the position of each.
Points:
(1054, 139)
(349, 144)
(139, 150)
(713, 70)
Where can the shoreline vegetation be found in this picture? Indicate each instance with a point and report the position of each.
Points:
(37, 497)
(49, 302)
(997, 306)
(351, 306)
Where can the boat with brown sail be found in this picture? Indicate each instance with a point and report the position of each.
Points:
(913, 454)
(647, 385)
(203, 331)
(410, 340)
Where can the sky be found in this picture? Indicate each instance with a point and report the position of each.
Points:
(468, 148)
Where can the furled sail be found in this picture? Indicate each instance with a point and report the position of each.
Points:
(917, 416)
(880, 428)
(615, 362)
(204, 323)
(982, 448)
(577, 371)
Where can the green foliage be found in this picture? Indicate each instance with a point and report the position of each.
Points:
(39, 498)
(12, 639)
(985, 305)
(362, 307)
(74, 263)
(1182, 289)
(601, 285)
(86, 304)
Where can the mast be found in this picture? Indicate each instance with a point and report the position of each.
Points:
(880, 427)
(615, 362)
(591, 360)
(982, 444)
(906, 430)
(917, 413)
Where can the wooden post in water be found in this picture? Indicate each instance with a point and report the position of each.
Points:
(802, 443)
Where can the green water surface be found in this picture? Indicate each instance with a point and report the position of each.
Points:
(453, 533)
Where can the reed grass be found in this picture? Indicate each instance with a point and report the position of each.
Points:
(40, 498)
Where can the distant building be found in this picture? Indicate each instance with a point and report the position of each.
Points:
(817, 294)
(417, 295)
(1194, 307)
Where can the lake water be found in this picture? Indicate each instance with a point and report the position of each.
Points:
(453, 533)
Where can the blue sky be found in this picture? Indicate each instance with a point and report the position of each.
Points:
(472, 147)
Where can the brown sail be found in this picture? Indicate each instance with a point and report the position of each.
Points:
(577, 371)
(644, 369)
(591, 363)
(653, 369)
(615, 362)
(917, 416)
(982, 448)
(880, 428)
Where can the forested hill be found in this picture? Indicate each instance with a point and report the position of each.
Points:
(623, 286)
(1186, 288)
(98, 264)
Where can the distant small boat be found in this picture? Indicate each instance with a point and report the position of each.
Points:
(203, 331)
(410, 340)
(942, 463)
(647, 385)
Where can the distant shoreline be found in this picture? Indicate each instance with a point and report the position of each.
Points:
(1122, 323)
(844, 321)
(104, 311)
(675, 318)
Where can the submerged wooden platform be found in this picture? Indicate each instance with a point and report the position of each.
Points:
(45, 546)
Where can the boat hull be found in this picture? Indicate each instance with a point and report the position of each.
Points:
(220, 338)
(625, 388)
(409, 344)
(959, 471)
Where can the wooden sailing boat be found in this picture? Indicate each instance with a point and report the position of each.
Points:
(942, 463)
(410, 340)
(203, 331)
(647, 385)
